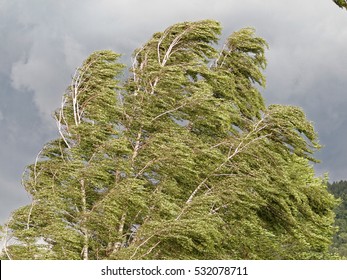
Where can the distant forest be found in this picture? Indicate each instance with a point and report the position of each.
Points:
(339, 190)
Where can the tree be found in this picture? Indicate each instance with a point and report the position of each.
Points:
(341, 3)
(339, 190)
(183, 160)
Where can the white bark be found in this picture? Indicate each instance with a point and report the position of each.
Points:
(29, 214)
(137, 146)
(6, 239)
(243, 144)
(85, 250)
(60, 124)
(114, 247)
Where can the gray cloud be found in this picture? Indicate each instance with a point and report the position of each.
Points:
(44, 41)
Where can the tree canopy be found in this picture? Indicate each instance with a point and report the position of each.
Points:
(341, 3)
(339, 190)
(182, 160)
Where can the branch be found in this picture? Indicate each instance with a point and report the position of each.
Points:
(240, 147)
(29, 214)
(140, 67)
(146, 165)
(137, 146)
(169, 111)
(35, 167)
(75, 83)
(143, 243)
(77, 80)
(159, 43)
(151, 249)
(167, 55)
(117, 245)
(220, 54)
(174, 43)
(5, 240)
(59, 122)
(84, 229)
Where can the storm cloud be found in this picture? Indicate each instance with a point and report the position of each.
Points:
(42, 42)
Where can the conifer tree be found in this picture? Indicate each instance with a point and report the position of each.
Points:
(339, 190)
(183, 160)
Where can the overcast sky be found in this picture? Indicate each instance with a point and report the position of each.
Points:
(43, 41)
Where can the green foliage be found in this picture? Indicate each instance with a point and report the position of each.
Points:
(339, 190)
(341, 3)
(181, 161)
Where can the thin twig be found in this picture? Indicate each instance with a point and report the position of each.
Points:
(240, 147)
(143, 243)
(6, 240)
(151, 249)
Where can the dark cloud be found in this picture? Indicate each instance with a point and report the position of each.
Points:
(22, 133)
(42, 42)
